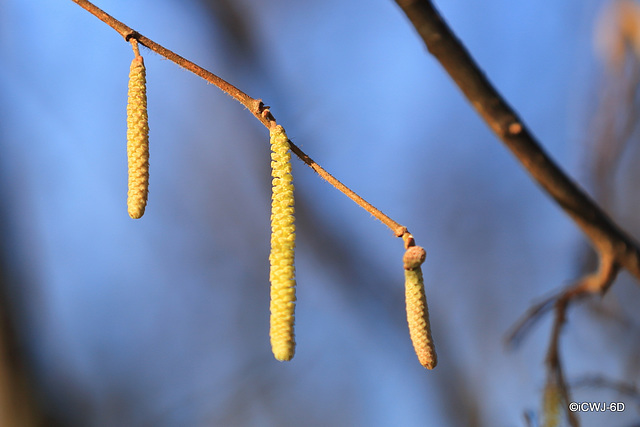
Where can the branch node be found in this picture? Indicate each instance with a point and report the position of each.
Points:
(132, 35)
(401, 231)
(515, 128)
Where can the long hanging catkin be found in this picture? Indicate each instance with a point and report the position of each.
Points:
(417, 310)
(282, 271)
(137, 139)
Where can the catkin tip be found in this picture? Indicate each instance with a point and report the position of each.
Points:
(135, 211)
(284, 353)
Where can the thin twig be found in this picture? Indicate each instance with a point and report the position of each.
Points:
(529, 319)
(397, 229)
(256, 106)
(503, 120)
(594, 283)
(135, 47)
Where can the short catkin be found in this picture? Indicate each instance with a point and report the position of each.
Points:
(137, 139)
(282, 271)
(417, 310)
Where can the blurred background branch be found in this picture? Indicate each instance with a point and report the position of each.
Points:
(605, 235)
(21, 398)
(613, 246)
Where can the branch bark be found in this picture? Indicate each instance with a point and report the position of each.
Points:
(604, 234)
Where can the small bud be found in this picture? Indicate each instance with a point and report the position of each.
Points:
(137, 139)
(414, 256)
(281, 259)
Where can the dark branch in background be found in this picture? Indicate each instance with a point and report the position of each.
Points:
(614, 247)
(21, 394)
(604, 234)
(19, 404)
(615, 119)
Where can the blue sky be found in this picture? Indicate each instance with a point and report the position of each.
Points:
(164, 321)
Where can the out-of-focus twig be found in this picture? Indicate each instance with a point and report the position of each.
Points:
(614, 247)
(590, 284)
(614, 120)
(556, 381)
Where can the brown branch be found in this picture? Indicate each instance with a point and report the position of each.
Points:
(397, 229)
(614, 247)
(256, 106)
(604, 234)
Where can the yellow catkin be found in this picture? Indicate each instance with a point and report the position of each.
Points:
(282, 271)
(417, 310)
(137, 139)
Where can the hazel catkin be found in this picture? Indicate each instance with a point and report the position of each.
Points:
(137, 139)
(417, 309)
(281, 259)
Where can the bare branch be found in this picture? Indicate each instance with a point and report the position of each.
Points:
(417, 311)
(604, 234)
(256, 106)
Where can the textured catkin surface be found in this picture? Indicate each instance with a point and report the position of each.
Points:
(418, 318)
(137, 139)
(282, 271)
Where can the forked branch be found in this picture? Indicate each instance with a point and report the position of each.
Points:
(594, 283)
(614, 247)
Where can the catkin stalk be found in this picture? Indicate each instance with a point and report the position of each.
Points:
(417, 310)
(282, 271)
(137, 139)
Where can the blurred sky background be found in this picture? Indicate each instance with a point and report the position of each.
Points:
(163, 321)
